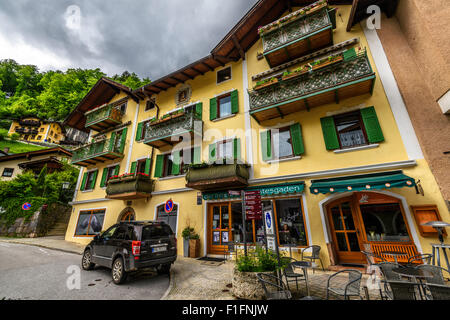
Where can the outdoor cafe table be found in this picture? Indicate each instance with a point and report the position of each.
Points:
(394, 254)
(304, 265)
(415, 274)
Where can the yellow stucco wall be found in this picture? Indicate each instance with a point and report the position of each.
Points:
(315, 159)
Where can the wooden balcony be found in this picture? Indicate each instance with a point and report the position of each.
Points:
(96, 152)
(348, 77)
(161, 132)
(130, 187)
(217, 177)
(103, 117)
(297, 34)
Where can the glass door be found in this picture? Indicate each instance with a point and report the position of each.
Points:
(345, 231)
(220, 228)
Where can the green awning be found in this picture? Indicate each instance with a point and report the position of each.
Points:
(266, 191)
(383, 180)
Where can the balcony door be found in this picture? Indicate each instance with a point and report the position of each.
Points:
(219, 227)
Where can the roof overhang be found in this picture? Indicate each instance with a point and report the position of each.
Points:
(31, 154)
(102, 92)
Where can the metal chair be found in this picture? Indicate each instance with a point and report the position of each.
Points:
(424, 258)
(438, 275)
(289, 273)
(389, 275)
(351, 288)
(370, 257)
(274, 287)
(403, 290)
(439, 292)
(230, 250)
(315, 255)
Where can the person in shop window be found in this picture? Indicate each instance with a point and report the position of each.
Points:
(287, 234)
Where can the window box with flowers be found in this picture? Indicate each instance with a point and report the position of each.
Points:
(130, 186)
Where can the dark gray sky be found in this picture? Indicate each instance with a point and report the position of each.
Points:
(148, 37)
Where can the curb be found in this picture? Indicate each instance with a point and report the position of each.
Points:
(171, 285)
(41, 245)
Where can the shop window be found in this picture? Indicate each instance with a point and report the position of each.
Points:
(384, 222)
(90, 223)
(169, 218)
(7, 172)
(223, 75)
(291, 226)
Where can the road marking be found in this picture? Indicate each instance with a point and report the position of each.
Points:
(42, 250)
(5, 245)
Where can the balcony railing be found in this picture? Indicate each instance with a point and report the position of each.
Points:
(217, 176)
(344, 78)
(103, 117)
(297, 34)
(129, 187)
(95, 152)
(27, 131)
(160, 132)
(30, 123)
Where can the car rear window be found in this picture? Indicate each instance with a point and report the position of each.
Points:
(155, 231)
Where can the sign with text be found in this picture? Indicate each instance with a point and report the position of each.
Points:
(270, 230)
(253, 205)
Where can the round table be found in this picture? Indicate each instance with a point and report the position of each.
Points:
(305, 265)
(394, 254)
(414, 273)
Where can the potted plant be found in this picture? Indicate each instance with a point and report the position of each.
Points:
(186, 234)
(194, 245)
(245, 284)
(264, 83)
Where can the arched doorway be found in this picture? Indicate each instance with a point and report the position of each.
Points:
(127, 214)
(368, 221)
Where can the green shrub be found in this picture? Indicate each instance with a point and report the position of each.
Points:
(14, 136)
(260, 261)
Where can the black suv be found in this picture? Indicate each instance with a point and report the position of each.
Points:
(130, 246)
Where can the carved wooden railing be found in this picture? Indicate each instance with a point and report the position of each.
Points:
(94, 149)
(99, 114)
(382, 246)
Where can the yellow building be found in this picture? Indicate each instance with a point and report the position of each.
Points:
(301, 110)
(34, 129)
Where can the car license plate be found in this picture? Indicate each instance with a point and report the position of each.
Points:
(159, 249)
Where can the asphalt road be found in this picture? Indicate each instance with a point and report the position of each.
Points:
(30, 272)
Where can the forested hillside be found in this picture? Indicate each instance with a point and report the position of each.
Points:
(24, 90)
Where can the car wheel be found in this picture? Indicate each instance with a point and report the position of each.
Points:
(86, 261)
(118, 271)
(163, 268)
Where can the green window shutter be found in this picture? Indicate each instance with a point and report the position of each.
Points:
(112, 139)
(197, 155)
(83, 182)
(104, 175)
(94, 179)
(297, 139)
(329, 133)
(212, 153)
(116, 170)
(372, 125)
(237, 148)
(123, 139)
(234, 102)
(147, 166)
(159, 166)
(133, 167)
(212, 108)
(139, 131)
(199, 110)
(176, 164)
(266, 146)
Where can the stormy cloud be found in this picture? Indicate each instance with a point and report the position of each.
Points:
(148, 37)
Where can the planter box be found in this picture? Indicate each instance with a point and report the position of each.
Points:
(265, 85)
(246, 285)
(327, 63)
(194, 248)
(167, 119)
(130, 187)
(218, 177)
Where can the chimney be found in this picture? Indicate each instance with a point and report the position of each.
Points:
(6, 149)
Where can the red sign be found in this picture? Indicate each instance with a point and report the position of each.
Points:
(168, 207)
(253, 206)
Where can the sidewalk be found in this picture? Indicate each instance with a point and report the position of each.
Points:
(55, 242)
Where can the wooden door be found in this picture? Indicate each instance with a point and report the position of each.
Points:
(219, 228)
(346, 231)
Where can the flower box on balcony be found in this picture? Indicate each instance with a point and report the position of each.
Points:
(130, 186)
(265, 83)
(217, 176)
(326, 62)
(166, 118)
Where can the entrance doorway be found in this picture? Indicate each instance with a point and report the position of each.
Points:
(369, 221)
(219, 227)
(346, 231)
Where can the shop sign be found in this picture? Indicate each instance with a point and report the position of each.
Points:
(253, 206)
